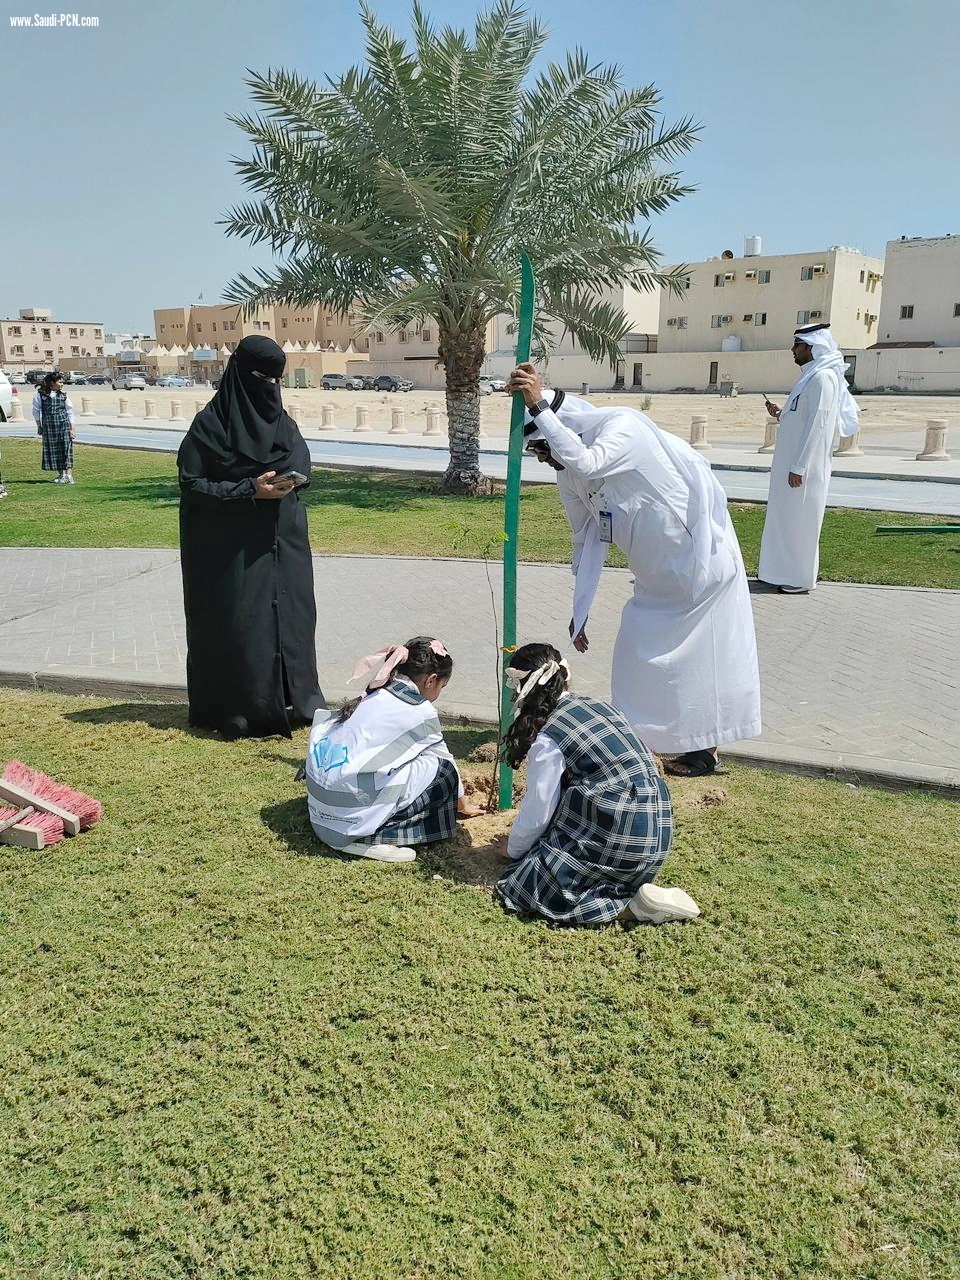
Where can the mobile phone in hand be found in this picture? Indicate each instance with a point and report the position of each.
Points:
(297, 477)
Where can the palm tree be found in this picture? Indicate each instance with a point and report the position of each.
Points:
(407, 189)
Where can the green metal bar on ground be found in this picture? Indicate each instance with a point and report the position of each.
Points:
(918, 528)
(511, 516)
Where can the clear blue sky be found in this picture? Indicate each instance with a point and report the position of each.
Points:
(825, 122)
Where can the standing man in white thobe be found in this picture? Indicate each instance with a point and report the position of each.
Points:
(819, 406)
(685, 662)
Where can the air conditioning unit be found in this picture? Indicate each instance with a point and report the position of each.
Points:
(750, 275)
(671, 324)
(730, 275)
(746, 318)
(726, 319)
(816, 315)
(819, 269)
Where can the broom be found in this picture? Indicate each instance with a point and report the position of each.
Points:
(86, 809)
(15, 821)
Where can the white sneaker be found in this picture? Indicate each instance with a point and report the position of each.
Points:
(652, 904)
(59, 480)
(381, 852)
(68, 478)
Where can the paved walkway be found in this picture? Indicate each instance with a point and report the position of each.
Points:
(857, 678)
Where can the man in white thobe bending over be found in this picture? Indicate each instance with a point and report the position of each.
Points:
(819, 406)
(685, 661)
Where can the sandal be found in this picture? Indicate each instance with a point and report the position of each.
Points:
(692, 764)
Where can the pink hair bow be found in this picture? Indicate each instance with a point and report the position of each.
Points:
(384, 662)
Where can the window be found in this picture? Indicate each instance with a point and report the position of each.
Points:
(58, 331)
(803, 317)
(199, 328)
(718, 281)
(17, 351)
(97, 334)
(256, 325)
(99, 351)
(45, 333)
(283, 324)
(763, 277)
(906, 313)
(15, 331)
(425, 335)
(73, 333)
(402, 335)
(686, 282)
(74, 351)
(956, 309)
(378, 336)
(214, 326)
(59, 349)
(33, 328)
(716, 322)
(681, 322)
(806, 273)
(863, 276)
(748, 318)
(266, 324)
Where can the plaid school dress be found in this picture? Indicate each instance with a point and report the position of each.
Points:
(612, 827)
(55, 430)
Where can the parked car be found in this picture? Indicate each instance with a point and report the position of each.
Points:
(98, 379)
(6, 397)
(341, 382)
(129, 382)
(391, 382)
(497, 384)
(18, 379)
(368, 383)
(36, 376)
(174, 380)
(484, 387)
(75, 378)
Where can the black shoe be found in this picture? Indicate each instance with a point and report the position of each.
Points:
(235, 727)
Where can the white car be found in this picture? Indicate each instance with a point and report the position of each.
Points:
(6, 397)
(497, 384)
(129, 382)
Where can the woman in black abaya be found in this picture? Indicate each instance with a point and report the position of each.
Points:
(245, 554)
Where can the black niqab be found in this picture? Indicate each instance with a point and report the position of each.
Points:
(245, 421)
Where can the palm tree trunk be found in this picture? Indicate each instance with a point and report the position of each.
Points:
(462, 356)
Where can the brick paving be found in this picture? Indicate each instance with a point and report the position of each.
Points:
(860, 677)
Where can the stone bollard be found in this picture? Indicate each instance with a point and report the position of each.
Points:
(584, 388)
(769, 436)
(150, 407)
(293, 408)
(327, 422)
(698, 432)
(86, 407)
(433, 423)
(397, 427)
(849, 447)
(176, 411)
(124, 408)
(363, 419)
(16, 409)
(197, 406)
(935, 443)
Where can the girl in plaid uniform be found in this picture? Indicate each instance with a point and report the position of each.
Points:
(53, 414)
(380, 778)
(596, 821)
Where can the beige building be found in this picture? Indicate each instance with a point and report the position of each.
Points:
(37, 341)
(921, 292)
(755, 302)
(224, 325)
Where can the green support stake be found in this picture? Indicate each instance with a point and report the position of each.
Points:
(511, 515)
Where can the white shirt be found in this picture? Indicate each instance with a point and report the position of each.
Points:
(545, 766)
(37, 412)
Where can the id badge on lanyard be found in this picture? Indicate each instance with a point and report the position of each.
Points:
(606, 525)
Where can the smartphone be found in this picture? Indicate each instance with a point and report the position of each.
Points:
(296, 476)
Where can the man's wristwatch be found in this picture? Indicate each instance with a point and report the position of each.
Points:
(539, 407)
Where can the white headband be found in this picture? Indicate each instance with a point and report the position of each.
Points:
(526, 681)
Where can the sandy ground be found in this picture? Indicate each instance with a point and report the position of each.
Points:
(737, 416)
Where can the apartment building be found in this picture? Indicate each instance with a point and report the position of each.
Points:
(224, 324)
(921, 292)
(35, 340)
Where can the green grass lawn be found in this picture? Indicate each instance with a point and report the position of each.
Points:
(129, 499)
(229, 1054)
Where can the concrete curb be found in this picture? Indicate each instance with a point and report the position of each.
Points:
(170, 687)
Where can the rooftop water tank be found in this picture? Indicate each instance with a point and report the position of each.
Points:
(751, 247)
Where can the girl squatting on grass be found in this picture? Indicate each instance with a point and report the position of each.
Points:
(380, 778)
(596, 821)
